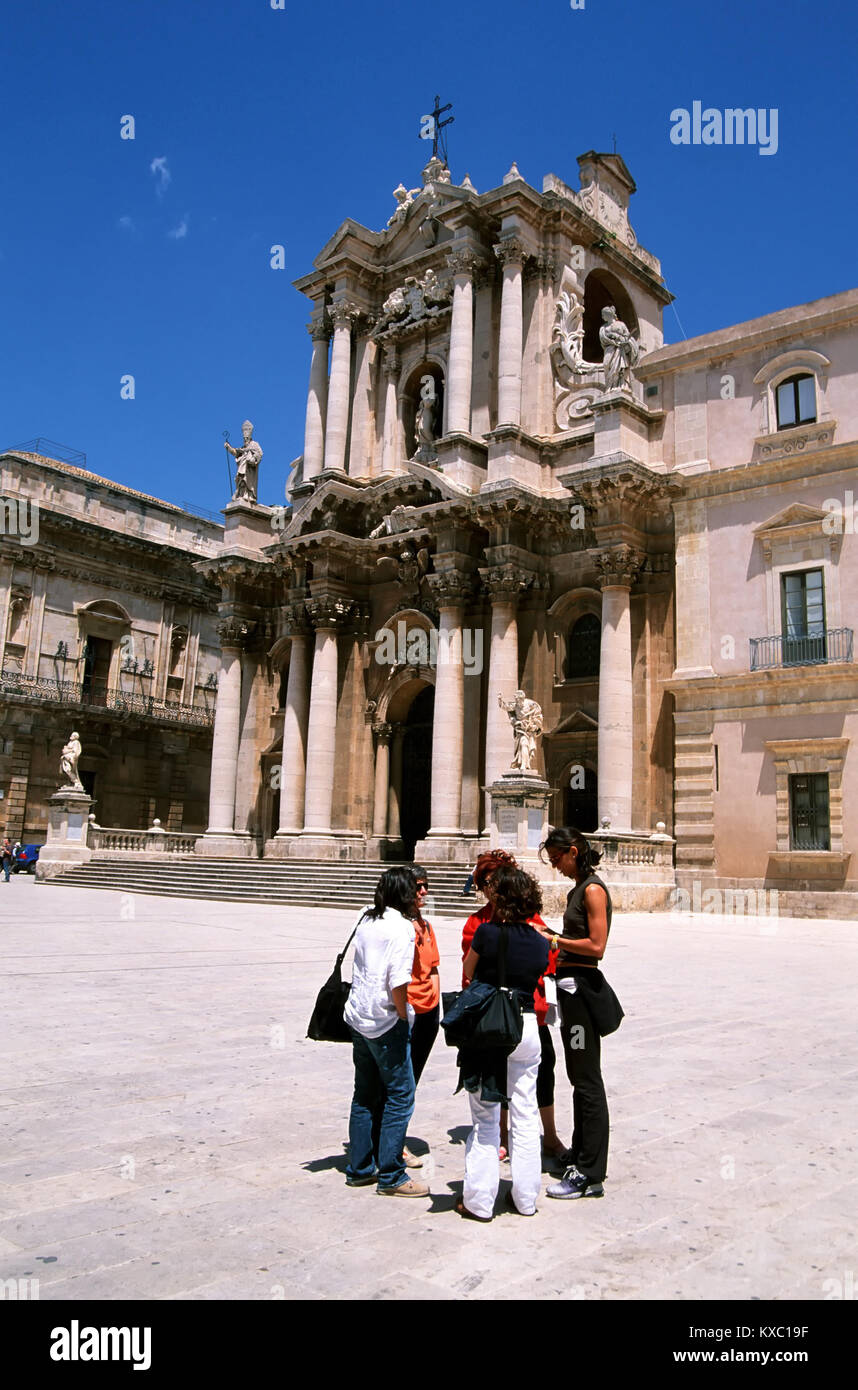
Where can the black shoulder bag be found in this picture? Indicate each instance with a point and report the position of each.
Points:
(327, 1023)
(496, 1021)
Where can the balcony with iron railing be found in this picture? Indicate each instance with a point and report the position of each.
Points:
(97, 696)
(806, 649)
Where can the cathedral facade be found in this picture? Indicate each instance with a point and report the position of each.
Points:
(509, 484)
(512, 495)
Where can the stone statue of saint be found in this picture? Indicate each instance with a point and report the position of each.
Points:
(526, 718)
(68, 763)
(247, 458)
(424, 425)
(620, 349)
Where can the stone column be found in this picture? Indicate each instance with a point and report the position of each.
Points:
(504, 584)
(390, 440)
(232, 632)
(383, 733)
(460, 367)
(450, 592)
(325, 613)
(317, 400)
(395, 793)
(618, 569)
(511, 254)
(293, 760)
(343, 315)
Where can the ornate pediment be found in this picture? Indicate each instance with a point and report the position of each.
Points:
(577, 723)
(796, 523)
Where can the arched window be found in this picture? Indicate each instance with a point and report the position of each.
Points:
(795, 401)
(582, 649)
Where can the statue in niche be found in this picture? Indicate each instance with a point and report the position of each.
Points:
(526, 718)
(247, 458)
(68, 764)
(620, 349)
(424, 425)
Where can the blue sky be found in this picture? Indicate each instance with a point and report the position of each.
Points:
(276, 125)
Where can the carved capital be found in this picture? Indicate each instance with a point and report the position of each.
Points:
(511, 251)
(234, 631)
(328, 611)
(620, 565)
(464, 262)
(343, 314)
(383, 732)
(542, 267)
(320, 329)
(295, 619)
(504, 583)
(451, 590)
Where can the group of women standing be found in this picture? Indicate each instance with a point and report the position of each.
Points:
(393, 1013)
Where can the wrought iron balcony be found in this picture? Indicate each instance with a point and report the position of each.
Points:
(97, 696)
(810, 649)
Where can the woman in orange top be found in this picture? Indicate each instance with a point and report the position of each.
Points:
(424, 992)
(552, 1144)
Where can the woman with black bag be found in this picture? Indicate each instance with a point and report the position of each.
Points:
(589, 1010)
(506, 952)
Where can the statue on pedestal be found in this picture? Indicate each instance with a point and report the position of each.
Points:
(68, 765)
(526, 718)
(621, 350)
(247, 458)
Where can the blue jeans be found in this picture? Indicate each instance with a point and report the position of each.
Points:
(382, 1105)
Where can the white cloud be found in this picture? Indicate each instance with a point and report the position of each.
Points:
(162, 174)
(177, 233)
(127, 224)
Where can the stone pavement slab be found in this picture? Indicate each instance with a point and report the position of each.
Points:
(169, 1132)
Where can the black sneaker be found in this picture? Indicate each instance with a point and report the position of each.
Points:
(574, 1184)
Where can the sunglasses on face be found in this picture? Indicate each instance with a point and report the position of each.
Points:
(422, 887)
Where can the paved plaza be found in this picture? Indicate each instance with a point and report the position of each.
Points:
(168, 1131)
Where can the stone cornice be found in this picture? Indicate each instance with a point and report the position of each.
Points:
(741, 339)
(740, 690)
(754, 474)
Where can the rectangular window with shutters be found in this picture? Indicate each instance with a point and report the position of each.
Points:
(809, 824)
(803, 618)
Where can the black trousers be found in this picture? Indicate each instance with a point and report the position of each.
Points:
(424, 1031)
(591, 1127)
(545, 1075)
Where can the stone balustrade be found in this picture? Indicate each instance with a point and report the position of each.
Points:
(113, 842)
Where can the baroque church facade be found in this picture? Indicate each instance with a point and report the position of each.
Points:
(508, 484)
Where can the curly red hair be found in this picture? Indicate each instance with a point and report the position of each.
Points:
(489, 863)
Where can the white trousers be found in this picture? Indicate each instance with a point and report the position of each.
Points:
(482, 1173)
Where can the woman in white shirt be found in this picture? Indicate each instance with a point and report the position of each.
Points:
(377, 1014)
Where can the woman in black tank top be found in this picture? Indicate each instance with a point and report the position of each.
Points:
(588, 1009)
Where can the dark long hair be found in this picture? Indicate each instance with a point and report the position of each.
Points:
(397, 888)
(515, 895)
(566, 838)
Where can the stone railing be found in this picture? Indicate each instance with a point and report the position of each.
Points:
(628, 851)
(112, 842)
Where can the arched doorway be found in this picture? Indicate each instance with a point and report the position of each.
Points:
(581, 804)
(414, 812)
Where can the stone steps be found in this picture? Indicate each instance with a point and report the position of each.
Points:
(309, 883)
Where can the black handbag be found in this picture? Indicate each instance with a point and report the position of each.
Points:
(495, 1021)
(327, 1022)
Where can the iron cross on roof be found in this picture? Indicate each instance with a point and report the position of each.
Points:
(438, 140)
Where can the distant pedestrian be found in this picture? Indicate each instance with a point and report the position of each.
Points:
(6, 852)
(376, 1013)
(424, 993)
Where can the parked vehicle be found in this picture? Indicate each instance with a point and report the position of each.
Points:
(25, 859)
